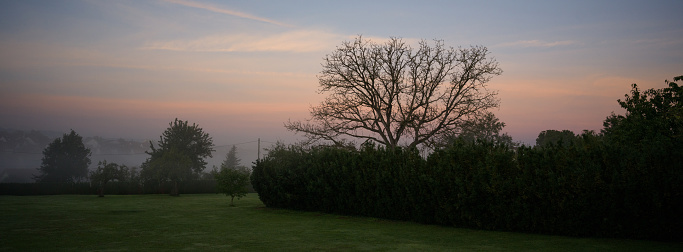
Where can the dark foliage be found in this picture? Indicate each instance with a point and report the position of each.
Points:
(179, 155)
(626, 182)
(106, 172)
(233, 183)
(547, 137)
(66, 159)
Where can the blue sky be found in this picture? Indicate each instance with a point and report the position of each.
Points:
(240, 69)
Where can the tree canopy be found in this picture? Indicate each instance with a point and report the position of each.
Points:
(547, 137)
(106, 172)
(66, 159)
(485, 128)
(233, 183)
(179, 154)
(653, 122)
(394, 94)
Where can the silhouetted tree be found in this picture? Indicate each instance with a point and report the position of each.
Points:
(66, 159)
(391, 93)
(645, 146)
(487, 128)
(547, 137)
(649, 115)
(180, 154)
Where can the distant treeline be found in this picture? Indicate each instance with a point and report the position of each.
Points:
(23, 150)
(115, 187)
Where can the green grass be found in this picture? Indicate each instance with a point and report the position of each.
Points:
(206, 223)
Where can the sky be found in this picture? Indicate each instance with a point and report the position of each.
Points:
(240, 69)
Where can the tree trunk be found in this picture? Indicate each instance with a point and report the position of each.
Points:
(231, 201)
(174, 191)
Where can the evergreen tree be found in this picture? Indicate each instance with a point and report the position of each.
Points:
(231, 161)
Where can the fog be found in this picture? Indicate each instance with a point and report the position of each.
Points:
(21, 151)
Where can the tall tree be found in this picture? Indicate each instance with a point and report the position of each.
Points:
(393, 94)
(179, 155)
(645, 145)
(66, 159)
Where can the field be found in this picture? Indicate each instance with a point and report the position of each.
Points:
(205, 222)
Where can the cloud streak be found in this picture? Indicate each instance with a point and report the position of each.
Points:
(293, 41)
(226, 11)
(538, 43)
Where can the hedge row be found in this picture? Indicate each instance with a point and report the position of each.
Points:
(585, 189)
(120, 188)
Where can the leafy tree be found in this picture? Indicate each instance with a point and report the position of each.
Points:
(179, 155)
(232, 179)
(393, 94)
(106, 172)
(486, 128)
(233, 182)
(66, 159)
(650, 134)
(646, 146)
(548, 137)
(650, 114)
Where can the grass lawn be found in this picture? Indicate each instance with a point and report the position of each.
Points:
(206, 223)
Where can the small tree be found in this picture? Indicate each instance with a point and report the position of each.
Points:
(66, 159)
(393, 94)
(106, 172)
(233, 183)
(232, 179)
(180, 154)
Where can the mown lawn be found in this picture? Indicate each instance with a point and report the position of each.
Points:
(205, 222)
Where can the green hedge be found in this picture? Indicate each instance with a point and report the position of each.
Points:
(585, 189)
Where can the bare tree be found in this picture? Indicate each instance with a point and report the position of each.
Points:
(394, 95)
